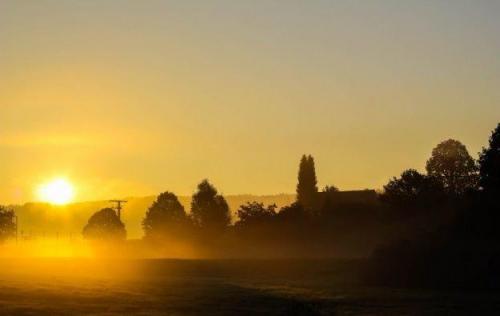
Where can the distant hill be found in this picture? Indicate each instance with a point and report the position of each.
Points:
(40, 219)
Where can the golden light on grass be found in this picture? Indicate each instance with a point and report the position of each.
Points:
(58, 191)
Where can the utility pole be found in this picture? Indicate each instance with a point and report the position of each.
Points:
(118, 207)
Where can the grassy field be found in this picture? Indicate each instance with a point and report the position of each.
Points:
(229, 287)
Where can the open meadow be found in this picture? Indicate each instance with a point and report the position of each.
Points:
(228, 287)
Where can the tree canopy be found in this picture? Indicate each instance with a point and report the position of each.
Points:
(330, 189)
(105, 225)
(209, 209)
(166, 214)
(293, 213)
(255, 213)
(453, 167)
(489, 163)
(412, 189)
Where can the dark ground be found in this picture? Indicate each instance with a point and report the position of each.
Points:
(229, 287)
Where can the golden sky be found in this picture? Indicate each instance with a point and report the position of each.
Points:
(136, 97)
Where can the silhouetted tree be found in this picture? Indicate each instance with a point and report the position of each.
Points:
(208, 208)
(330, 188)
(293, 227)
(452, 165)
(307, 185)
(294, 213)
(105, 225)
(7, 224)
(489, 163)
(412, 189)
(254, 213)
(165, 216)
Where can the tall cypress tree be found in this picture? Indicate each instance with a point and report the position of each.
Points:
(301, 185)
(307, 185)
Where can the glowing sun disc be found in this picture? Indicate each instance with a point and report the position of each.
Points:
(58, 191)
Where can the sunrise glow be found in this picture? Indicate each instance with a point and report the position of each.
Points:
(58, 191)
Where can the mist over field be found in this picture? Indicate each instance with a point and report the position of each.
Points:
(67, 221)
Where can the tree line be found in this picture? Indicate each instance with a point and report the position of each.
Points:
(415, 202)
(457, 198)
(209, 212)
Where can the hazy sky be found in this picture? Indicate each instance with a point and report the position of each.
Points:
(135, 97)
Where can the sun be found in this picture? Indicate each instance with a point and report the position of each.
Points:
(58, 191)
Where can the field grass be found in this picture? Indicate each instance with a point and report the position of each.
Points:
(211, 287)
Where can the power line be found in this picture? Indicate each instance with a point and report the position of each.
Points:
(118, 207)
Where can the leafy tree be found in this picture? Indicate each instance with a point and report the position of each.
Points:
(307, 185)
(7, 224)
(255, 213)
(294, 213)
(489, 163)
(412, 189)
(209, 209)
(105, 225)
(330, 188)
(165, 216)
(452, 166)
